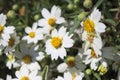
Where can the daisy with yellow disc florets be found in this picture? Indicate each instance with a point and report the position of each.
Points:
(92, 27)
(58, 42)
(50, 18)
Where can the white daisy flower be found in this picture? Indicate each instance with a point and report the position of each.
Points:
(25, 74)
(72, 64)
(92, 58)
(13, 41)
(11, 62)
(50, 18)
(34, 34)
(96, 45)
(28, 56)
(5, 31)
(92, 23)
(58, 42)
(69, 76)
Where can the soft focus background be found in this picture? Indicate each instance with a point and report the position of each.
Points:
(22, 13)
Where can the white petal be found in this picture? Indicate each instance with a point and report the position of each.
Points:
(95, 15)
(59, 78)
(97, 43)
(9, 77)
(84, 36)
(41, 56)
(18, 74)
(34, 66)
(67, 42)
(23, 48)
(36, 78)
(18, 54)
(56, 11)
(93, 66)
(9, 29)
(61, 52)
(67, 76)
(97, 51)
(62, 67)
(33, 73)
(42, 22)
(3, 19)
(45, 13)
(9, 65)
(60, 20)
(54, 33)
(28, 29)
(62, 31)
(24, 70)
(100, 27)
(34, 26)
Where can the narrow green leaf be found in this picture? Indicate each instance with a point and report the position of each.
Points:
(45, 73)
(96, 75)
(110, 21)
(76, 23)
(99, 2)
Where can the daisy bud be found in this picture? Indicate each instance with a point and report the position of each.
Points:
(76, 1)
(103, 68)
(82, 15)
(15, 7)
(36, 17)
(11, 14)
(88, 71)
(70, 61)
(87, 3)
(22, 11)
(70, 6)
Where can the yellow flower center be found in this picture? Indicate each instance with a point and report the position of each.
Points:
(1, 29)
(11, 42)
(102, 69)
(32, 34)
(93, 54)
(10, 57)
(51, 21)
(27, 59)
(89, 25)
(24, 78)
(70, 61)
(73, 76)
(56, 42)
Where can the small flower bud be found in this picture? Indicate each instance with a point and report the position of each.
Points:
(15, 7)
(70, 61)
(103, 68)
(88, 71)
(22, 10)
(70, 6)
(81, 16)
(36, 17)
(87, 4)
(11, 14)
(76, 1)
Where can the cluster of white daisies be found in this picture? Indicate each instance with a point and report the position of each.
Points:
(24, 54)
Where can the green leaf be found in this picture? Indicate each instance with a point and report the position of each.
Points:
(108, 52)
(76, 23)
(96, 75)
(99, 2)
(110, 21)
(45, 73)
